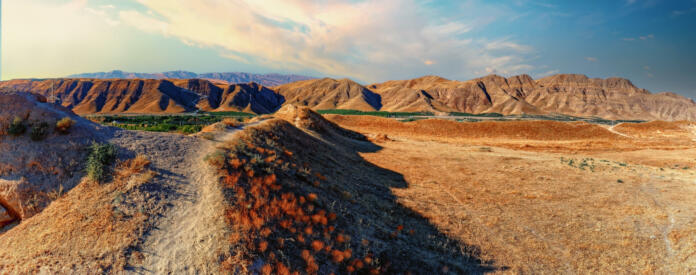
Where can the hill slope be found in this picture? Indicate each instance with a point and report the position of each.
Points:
(329, 93)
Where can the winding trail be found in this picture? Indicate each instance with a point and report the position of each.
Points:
(185, 237)
(611, 129)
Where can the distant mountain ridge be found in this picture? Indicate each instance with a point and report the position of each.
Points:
(268, 80)
(568, 94)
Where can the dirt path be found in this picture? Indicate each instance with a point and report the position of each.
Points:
(611, 129)
(186, 236)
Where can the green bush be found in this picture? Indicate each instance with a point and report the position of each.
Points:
(17, 127)
(39, 131)
(190, 129)
(99, 159)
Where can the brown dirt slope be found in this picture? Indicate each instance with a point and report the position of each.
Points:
(300, 202)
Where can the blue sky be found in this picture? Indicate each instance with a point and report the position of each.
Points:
(647, 41)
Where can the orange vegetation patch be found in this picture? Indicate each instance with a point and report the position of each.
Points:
(522, 130)
(289, 229)
(658, 129)
(298, 203)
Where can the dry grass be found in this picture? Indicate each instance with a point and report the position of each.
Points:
(543, 136)
(92, 228)
(299, 204)
(532, 210)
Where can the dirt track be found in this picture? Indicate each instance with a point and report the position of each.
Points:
(185, 238)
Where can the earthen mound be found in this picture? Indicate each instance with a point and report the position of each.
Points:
(39, 157)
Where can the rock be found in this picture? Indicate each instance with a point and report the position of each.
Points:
(5, 217)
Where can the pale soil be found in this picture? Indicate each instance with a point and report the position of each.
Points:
(186, 237)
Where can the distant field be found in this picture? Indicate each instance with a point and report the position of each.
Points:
(469, 117)
(181, 123)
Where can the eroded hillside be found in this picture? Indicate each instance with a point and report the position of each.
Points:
(567, 94)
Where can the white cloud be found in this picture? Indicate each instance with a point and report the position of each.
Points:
(642, 37)
(507, 45)
(548, 73)
(591, 59)
(103, 14)
(368, 40)
(646, 37)
(48, 38)
(143, 22)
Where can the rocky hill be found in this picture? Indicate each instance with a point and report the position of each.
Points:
(90, 96)
(330, 93)
(576, 95)
(229, 77)
(568, 94)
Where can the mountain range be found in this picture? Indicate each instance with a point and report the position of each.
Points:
(569, 94)
(229, 77)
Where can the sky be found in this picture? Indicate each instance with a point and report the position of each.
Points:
(647, 41)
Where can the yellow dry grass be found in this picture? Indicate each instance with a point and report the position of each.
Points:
(553, 208)
(89, 229)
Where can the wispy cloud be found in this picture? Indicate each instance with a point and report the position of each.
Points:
(591, 59)
(678, 13)
(646, 37)
(548, 73)
(642, 37)
(369, 40)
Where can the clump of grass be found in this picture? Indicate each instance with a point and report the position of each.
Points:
(63, 126)
(39, 131)
(17, 127)
(99, 159)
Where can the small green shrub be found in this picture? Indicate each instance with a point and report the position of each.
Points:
(100, 157)
(190, 129)
(39, 131)
(63, 126)
(17, 127)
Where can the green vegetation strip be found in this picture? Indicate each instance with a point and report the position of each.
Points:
(184, 123)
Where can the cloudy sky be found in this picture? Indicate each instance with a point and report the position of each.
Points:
(648, 41)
